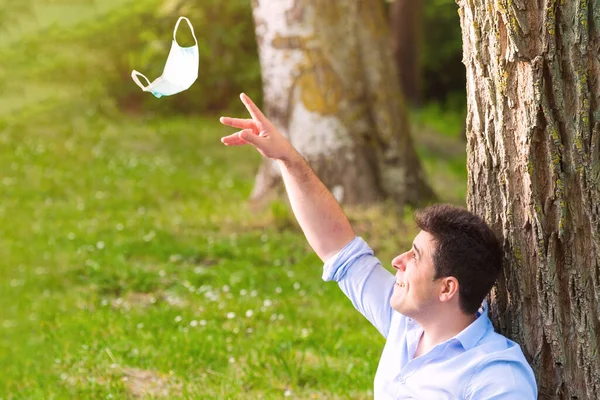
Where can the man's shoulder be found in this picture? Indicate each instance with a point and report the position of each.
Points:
(496, 347)
(500, 356)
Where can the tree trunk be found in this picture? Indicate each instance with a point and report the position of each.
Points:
(406, 18)
(330, 86)
(533, 129)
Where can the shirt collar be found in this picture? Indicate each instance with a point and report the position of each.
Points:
(473, 333)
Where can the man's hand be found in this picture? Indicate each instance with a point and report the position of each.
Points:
(259, 132)
(320, 216)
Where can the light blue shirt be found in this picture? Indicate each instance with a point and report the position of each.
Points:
(478, 363)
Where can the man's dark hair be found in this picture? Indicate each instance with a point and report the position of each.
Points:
(465, 248)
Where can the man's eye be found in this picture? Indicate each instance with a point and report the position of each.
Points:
(414, 256)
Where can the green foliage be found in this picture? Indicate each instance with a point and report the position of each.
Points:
(444, 76)
(228, 54)
(96, 56)
(443, 120)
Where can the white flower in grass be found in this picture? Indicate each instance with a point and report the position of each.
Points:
(280, 317)
(253, 293)
(226, 289)
(305, 332)
(273, 317)
(178, 318)
(100, 245)
(243, 292)
(278, 290)
(162, 273)
(267, 303)
(71, 236)
(149, 236)
(249, 313)
(120, 227)
(140, 325)
(193, 323)
(287, 393)
(8, 324)
(231, 360)
(230, 315)
(296, 285)
(202, 322)
(249, 330)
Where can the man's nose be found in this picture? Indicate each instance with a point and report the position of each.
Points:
(399, 262)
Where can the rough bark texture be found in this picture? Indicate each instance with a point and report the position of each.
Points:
(406, 18)
(533, 129)
(330, 86)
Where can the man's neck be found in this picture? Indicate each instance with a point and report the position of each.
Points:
(445, 325)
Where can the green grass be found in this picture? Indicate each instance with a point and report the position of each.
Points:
(118, 234)
(131, 263)
(128, 244)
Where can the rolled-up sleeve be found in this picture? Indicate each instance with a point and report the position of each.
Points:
(363, 279)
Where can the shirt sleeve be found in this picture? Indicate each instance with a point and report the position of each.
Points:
(503, 380)
(367, 284)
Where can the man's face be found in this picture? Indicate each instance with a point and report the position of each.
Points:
(415, 292)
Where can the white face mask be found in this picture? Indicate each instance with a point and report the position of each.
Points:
(181, 69)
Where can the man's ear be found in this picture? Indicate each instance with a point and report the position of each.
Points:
(448, 288)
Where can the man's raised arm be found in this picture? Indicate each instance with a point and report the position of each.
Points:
(320, 216)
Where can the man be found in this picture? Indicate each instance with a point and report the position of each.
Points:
(440, 342)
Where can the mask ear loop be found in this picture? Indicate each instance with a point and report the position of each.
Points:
(134, 76)
(177, 26)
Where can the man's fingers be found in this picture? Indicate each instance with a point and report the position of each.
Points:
(237, 122)
(250, 137)
(233, 140)
(257, 115)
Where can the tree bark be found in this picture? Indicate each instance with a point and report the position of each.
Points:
(406, 18)
(331, 87)
(533, 129)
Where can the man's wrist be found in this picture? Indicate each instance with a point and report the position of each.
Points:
(292, 160)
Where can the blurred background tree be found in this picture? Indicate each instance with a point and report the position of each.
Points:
(331, 87)
(406, 20)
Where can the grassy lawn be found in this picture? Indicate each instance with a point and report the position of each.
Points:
(131, 264)
(128, 248)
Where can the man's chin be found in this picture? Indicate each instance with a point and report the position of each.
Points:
(397, 306)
